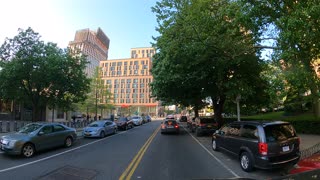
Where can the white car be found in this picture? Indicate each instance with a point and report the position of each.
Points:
(137, 120)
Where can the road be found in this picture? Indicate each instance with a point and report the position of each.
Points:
(139, 153)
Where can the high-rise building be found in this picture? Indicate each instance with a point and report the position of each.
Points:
(94, 44)
(128, 80)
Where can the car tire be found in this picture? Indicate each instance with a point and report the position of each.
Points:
(102, 134)
(126, 128)
(28, 150)
(198, 133)
(246, 162)
(115, 131)
(214, 145)
(68, 142)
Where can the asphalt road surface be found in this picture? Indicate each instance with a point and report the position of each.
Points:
(139, 153)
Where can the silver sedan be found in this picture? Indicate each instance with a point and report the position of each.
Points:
(36, 137)
(100, 129)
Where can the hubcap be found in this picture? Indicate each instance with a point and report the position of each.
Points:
(28, 151)
(244, 161)
(68, 142)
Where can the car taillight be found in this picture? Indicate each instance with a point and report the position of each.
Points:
(202, 124)
(263, 148)
(176, 126)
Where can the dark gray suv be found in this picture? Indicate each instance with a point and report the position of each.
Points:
(263, 145)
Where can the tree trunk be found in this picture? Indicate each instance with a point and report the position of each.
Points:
(196, 112)
(35, 113)
(218, 110)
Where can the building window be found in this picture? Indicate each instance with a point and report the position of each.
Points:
(128, 90)
(128, 101)
(122, 90)
(142, 72)
(119, 73)
(128, 80)
(135, 72)
(125, 63)
(135, 80)
(114, 64)
(141, 85)
(136, 62)
(142, 62)
(119, 64)
(135, 100)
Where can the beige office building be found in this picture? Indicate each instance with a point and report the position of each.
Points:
(128, 80)
(94, 44)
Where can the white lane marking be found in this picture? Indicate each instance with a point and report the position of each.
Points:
(52, 156)
(225, 166)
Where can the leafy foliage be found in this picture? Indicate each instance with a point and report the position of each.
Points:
(41, 74)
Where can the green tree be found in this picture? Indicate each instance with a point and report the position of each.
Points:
(294, 25)
(204, 44)
(99, 96)
(41, 74)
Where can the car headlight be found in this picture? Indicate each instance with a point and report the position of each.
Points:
(11, 143)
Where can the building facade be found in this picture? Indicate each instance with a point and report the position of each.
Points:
(128, 80)
(94, 44)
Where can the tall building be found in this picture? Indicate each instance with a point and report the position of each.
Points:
(128, 80)
(94, 44)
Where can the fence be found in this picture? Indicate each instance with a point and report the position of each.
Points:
(11, 126)
(310, 151)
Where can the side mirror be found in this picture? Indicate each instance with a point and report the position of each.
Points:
(41, 133)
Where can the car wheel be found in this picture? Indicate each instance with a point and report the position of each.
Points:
(28, 150)
(246, 162)
(126, 128)
(102, 134)
(115, 131)
(68, 142)
(214, 145)
(198, 133)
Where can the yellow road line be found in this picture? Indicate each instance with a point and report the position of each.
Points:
(136, 160)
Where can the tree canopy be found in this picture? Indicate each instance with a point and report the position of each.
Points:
(204, 51)
(41, 74)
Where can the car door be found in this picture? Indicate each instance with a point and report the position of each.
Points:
(59, 134)
(221, 136)
(45, 138)
(107, 127)
(231, 140)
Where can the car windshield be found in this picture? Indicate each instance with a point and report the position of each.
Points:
(122, 119)
(29, 128)
(279, 132)
(95, 124)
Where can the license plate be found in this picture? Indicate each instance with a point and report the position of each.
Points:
(285, 148)
(209, 126)
(170, 127)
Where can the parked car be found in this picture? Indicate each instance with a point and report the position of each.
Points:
(124, 123)
(148, 118)
(35, 137)
(170, 126)
(204, 125)
(191, 122)
(263, 145)
(100, 129)
(137, 120)
(183, 119)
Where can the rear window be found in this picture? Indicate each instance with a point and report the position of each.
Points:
(207, 120)
(170, 122)
(279, 132)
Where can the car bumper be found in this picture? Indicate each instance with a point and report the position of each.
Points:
(91, 134)
(265, 163)
(13, 151)
(207, 131)
(170, 130)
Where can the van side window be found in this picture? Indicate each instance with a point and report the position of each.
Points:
(234, 130)
(249, 131)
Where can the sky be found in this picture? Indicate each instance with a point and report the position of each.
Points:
(127, 23)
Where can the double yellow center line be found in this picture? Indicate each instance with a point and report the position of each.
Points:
(127, 174)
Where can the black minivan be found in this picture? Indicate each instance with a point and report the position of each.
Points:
(263, 145)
